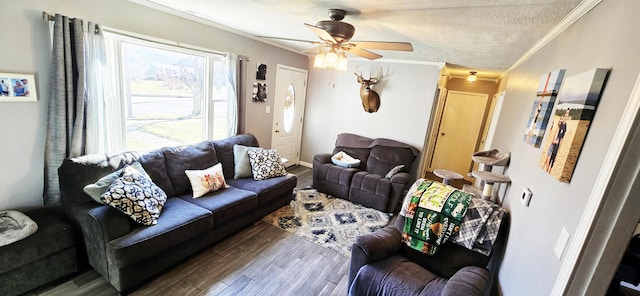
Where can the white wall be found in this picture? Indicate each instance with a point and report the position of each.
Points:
(604, 38)
(406, 94)
(25, 46)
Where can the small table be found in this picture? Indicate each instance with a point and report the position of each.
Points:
(447, 175)
(489, 178)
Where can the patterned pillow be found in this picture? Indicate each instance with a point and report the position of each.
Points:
(95, 190)
(136, 196)
(266, 164)
(207, 180)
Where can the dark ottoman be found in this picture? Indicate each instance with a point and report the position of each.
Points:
(47, 255)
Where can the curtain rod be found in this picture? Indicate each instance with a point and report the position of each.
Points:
(48, 17)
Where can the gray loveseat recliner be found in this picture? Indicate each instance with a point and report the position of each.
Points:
(366, 184)
(126, 253)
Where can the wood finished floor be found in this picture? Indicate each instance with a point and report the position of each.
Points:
(260, 260)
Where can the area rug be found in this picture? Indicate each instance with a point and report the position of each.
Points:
(327, 221)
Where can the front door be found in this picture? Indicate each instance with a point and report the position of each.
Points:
(288, 113)
(459, 131)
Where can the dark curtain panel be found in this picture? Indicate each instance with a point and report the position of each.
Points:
(241, 91)
(66, 122)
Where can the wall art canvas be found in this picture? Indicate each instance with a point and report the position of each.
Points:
(17, 88)
(570, 123)
(261, 72)
(542, 106)
(259, 92)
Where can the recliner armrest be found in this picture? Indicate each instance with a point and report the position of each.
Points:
(469, 280)
(401, 178)
(373, 247)
(380, 244)
(322, 158)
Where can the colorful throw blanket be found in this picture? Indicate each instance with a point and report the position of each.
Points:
(433, 214)
(479, 228)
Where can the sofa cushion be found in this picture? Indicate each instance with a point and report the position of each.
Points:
(226, 204)
(136, 196)
(266, 164)
(95, 190)
(203, 181)
(242, 167)
(224, 151)
(382, 159)
(269, 189)
(179, 222)
(191, 157)
(154, 164)
(370, 190)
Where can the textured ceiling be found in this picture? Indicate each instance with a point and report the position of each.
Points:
(488, 36)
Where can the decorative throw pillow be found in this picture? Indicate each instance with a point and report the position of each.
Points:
(242, 167)
(136, 196)
(95, 190)
(394, 171)
(266, 164)
(207, 180)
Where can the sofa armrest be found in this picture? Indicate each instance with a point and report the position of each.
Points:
(400, 178)
(322, 158)
(100, 224)
(373, 247)
(469, 280)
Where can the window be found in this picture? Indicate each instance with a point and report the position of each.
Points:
(164, 95)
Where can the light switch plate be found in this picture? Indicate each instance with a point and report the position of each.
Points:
(561, 244)
(268, 109)
(525, 199)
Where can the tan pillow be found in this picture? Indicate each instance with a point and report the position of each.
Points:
(207, 180)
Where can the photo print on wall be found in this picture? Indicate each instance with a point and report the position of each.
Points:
(259, 92)
(17, 88)
(542, 106)
(571, 119)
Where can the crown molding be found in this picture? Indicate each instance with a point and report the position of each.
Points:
(578, 12)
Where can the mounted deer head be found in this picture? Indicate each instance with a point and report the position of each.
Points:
(370, 98)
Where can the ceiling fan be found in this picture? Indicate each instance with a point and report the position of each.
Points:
(336, 36)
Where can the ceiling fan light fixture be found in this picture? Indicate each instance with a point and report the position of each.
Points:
(472, 76)
(319, 60)
(331, 60)
(342, 62)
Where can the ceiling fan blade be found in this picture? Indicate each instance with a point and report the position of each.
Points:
(324, 35)
(401, 46)
(364, 53)
(291, 39)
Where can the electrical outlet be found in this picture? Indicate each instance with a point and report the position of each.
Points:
(525, 199)
(561, 244)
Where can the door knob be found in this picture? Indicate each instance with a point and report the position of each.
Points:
(277, 131)
(442, 134)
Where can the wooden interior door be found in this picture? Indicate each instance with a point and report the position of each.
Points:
(459, 131)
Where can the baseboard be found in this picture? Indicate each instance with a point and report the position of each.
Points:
(306, 164)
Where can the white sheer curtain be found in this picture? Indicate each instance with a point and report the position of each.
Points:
(230, 67)
(98, 137)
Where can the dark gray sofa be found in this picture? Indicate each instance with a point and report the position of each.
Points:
(366, 184)
(126, 253)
